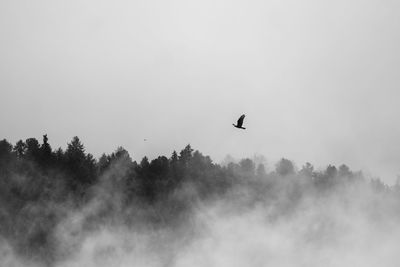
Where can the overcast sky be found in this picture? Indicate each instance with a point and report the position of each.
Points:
(318, 80)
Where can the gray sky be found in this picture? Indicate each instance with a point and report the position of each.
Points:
(318, 80)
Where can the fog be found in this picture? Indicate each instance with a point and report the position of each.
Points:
(344, 229)
(237, 215)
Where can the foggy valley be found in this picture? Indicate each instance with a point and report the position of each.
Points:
(64, 208)
(207, 113)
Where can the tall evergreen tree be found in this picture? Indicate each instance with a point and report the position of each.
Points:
(20, 149)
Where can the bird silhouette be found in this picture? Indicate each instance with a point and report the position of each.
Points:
(240, 122)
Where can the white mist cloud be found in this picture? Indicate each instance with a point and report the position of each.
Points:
(351, 227)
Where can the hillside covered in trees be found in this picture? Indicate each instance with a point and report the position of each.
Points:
(51, 199)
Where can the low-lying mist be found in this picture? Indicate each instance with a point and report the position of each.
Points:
(66, 209)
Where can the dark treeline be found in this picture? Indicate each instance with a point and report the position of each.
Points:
(40, 186)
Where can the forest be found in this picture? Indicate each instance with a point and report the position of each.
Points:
(52, 199)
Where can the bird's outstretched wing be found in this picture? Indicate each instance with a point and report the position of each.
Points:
(240, 120)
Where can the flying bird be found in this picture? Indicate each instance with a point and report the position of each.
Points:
(240, 122)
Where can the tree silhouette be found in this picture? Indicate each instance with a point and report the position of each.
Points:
(20, 149)
(80, 166)
(284, 167)
(32, 149)
(5, 149)
(307, 171)
(261, 173)
(185, 156)
(5, 157)
(247, 168)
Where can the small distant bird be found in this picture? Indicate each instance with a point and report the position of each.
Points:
(240, 122)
